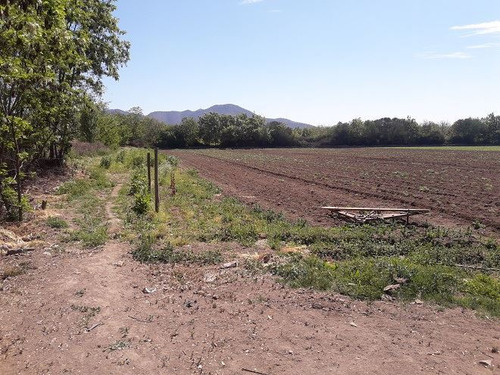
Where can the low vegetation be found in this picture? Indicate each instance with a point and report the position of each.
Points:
(389, 261)
(379, 261)
(86, 195)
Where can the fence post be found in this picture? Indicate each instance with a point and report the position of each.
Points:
(157, 196)
(149, 172)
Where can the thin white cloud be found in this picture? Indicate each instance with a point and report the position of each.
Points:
(441, 56)
(484, 28)
(245, 2)
(484, 46)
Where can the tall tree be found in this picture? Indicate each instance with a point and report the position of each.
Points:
(54, 56)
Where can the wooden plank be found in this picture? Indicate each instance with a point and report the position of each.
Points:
(375, 209)
(364, 214)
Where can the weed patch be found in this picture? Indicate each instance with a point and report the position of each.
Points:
(56, 222)
(167, 254)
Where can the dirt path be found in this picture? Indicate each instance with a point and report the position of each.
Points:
(89, 312)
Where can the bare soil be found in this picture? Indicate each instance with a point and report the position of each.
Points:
(98, 311)
(461, 188)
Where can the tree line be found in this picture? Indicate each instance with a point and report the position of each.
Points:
(216, 130)
(210, 130)
(407, 132)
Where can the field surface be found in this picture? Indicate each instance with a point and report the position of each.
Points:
(460, 187)
(75, 298)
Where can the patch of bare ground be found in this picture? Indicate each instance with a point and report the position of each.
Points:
(83, 312)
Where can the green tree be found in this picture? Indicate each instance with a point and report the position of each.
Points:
(54, 55)
(281, 135)
(210, 128)
(188, 131)
(469, 131)
(492, 129)
(431, 133)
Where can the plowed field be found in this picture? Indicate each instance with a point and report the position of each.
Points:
(459, 187)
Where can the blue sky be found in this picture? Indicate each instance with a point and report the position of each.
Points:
(314, 61)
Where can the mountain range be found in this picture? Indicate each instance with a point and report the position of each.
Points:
(175, 117)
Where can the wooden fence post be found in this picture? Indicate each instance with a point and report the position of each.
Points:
(157, 196)
(149, 172)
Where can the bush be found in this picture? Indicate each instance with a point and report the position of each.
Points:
(8, 199)
(105, 162)
(56, 222)
(140, 190)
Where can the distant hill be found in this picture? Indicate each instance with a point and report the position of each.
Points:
(117, 111)
(175, 117)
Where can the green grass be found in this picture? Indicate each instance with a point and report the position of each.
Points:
(87, 197)
(92, 232)
(167, 254)
(56, 222)
(356, 260)
(453, 148)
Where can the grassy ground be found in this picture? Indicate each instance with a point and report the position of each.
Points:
(390, 261)
(455, 148)
(85, 195)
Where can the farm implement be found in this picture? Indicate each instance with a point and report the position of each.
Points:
(365, 214)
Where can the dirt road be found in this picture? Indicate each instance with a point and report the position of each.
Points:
(100, 312)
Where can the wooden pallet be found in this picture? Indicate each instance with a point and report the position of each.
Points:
(364, 214)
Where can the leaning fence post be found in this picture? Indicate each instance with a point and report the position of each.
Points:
(157, 196)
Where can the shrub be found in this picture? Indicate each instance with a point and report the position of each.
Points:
(56, 222)
(105, 162)
(140, 190)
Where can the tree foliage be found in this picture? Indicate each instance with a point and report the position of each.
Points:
(216, 130)
(54, 56)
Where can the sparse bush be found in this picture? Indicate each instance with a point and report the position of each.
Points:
(140, 190)
(9, 201)
(56, 222)
(105, 162)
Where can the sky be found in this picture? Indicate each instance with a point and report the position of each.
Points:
(313, 61)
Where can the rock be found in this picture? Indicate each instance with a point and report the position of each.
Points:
(390, 288)
(209, 278)
(486, 362)
(149, 290)
(230, 265)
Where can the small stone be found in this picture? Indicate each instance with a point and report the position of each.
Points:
(390, 288)
(230, 265)
(486, 362)
(149, 290)
(209, 278)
